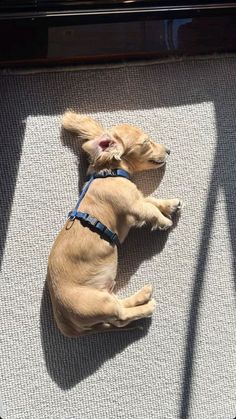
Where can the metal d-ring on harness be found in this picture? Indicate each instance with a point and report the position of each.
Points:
(87, 219)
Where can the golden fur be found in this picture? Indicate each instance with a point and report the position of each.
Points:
(82, 266)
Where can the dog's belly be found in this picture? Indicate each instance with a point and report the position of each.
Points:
(106, 284)
(105, 278)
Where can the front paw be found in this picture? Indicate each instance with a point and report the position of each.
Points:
(174, 206)
(165, 225)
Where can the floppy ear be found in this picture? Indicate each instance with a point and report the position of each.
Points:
(84, 126)
(103, 149)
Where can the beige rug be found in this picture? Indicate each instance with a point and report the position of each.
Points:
(183, 363)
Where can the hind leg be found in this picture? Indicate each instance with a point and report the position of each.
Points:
(89, 307)
(139, 298)
(128, 315)
(107, 308)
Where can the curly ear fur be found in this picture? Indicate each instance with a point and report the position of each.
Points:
(104, 150)
(82, 125)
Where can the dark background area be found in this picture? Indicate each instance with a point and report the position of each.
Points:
(54, 32)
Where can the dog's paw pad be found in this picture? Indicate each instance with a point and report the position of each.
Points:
(147, 291)
(151, 306)
(174, 207)
(180, 206)
(164, 227)
(144, 295)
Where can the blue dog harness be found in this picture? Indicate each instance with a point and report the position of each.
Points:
(86, 219)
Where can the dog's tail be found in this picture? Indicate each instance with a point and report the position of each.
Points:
(83, 125)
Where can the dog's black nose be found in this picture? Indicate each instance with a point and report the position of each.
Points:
(168, 151)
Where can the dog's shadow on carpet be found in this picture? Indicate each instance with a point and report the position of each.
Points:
(70, 360)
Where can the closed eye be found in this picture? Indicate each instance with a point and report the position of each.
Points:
(146, 144)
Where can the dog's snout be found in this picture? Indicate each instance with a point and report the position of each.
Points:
(168, 151)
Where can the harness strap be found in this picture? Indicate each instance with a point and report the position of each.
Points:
(99, 175)
(96, 225)
(91, 221)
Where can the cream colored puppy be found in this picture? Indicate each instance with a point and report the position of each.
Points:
(83, 263)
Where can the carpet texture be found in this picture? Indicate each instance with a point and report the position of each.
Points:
(182, 365)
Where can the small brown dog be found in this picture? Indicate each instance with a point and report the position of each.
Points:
(83, 263)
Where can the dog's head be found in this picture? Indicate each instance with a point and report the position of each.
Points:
(123, 146)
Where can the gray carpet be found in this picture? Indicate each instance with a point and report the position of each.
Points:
(182, 365)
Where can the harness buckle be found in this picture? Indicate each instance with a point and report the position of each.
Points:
(105, 173)
(72, 215)
(92, 220)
